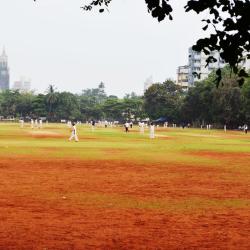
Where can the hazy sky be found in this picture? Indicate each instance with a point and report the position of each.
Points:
(55, 42)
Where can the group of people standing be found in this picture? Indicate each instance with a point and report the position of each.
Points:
(128, 125)
(37, 123)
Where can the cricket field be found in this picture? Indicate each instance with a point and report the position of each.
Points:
(185, 189)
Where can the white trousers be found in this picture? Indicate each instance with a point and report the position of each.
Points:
(73, 136)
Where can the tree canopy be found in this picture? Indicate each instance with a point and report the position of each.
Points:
(202, 104)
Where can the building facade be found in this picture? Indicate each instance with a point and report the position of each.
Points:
(182, 76)
(23, 85)
(4, 72)
(198, 68)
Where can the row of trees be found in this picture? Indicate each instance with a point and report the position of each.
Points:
(205, 103)
(90, 104)
(226, 104)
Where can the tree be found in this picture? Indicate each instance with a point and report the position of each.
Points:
(101, 95)
(51, 99)
(39, 106)
(24, 104)
(227, 102)
(163, 99)
(246, 100)
(196, 106)
(9, 102)
(113, 109)
(133, 107)
(67, 106)
(91, 101)
(227, 99)
(206, 103)
(229, 20)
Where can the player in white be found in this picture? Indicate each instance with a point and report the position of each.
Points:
(126, 126)
(32, 123)
(152, 131)
(245, 128)
(73, 133)
(21, 123)
(141, 125)
(40, 123)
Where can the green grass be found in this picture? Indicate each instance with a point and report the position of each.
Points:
(114, 143)
(191, 157)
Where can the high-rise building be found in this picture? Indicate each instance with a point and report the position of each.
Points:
(4, 72)
(23, 85)
(198, 68)
(182, 76)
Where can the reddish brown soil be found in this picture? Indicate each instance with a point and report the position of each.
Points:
(41, 206)
(220, 155)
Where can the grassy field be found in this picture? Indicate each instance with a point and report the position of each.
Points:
(185, 189)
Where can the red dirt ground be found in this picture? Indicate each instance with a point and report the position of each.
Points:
(64, 204)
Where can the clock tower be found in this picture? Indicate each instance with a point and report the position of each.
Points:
(4, 72)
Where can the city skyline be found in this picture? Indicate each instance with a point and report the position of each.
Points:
(75, 50)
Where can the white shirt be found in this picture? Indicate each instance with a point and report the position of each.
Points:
(74, 129)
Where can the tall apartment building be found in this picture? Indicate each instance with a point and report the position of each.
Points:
(4, 72)
(182, 76)
(197, 63)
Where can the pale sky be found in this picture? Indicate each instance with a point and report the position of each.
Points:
(55, 42)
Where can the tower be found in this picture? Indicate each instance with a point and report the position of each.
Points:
(4, 72)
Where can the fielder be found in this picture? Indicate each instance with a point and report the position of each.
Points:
(73, 133)
(21, 123)
(32, 123)
(40, 123)
(152, 131)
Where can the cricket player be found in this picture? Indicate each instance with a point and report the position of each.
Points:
(93, 125)
(21, 123)
(126, 125)
(32, 123)
(73, 133)
(141, 125)
(152, 131)
(40, 123)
